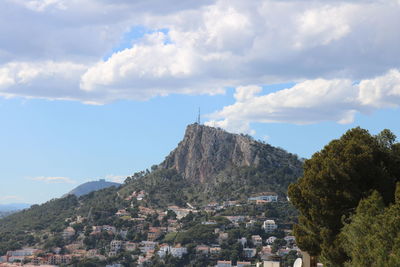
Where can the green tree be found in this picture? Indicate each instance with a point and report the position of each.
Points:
(372, 237)
(334, 181)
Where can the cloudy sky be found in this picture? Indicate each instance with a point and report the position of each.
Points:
(94, 89)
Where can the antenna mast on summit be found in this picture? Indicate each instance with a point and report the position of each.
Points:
(198, 117)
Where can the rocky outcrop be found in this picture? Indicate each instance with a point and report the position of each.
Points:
(205, 151)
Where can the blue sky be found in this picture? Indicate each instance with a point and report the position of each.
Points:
(92, 90)
(81, 142)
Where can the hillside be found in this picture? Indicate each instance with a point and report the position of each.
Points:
(209, 164)
(33, 225)
(89, 187)
(212, 164)
(5, 213)
(7, 209)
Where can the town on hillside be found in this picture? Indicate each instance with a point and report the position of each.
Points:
(256, 232)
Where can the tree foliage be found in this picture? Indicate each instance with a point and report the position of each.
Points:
(372, 236)
(50, 216)
(334, 181)
(275, 171)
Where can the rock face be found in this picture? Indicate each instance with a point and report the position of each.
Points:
(205, 151)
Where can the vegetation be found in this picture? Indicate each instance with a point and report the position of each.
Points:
(372, 236)
(42, 225)
(100, 205)
(167, 187)
(335, 179)
(163, 186)
(49, 216)
(6, 213)
(34, 225)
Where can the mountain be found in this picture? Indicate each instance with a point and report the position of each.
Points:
(5, 213)
(89, 187)
(7, 209)
(212, 164)
(206, 151)
(209, 164)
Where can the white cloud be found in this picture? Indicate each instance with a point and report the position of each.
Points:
(149, 69)
(381, 92)
(323, 25)
(310, 101)
(41, 5)
(49, 79)
(244, 93)
(232, 125)
(11, 197)
(53, 180)
(205, 46)
(116, 178)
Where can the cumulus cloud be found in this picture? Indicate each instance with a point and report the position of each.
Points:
(310, 101)
(59, 49)
(116, 178)
(53, 180)
(381, 92)
(147, 70)
(41, 5)
(47, 79)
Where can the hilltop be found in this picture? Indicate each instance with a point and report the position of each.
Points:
(89, 187)
(212, 164)
(7, 209)
(206, 151)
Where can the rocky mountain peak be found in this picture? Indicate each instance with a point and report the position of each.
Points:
(205, 151)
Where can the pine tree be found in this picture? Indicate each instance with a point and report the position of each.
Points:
(372, 237)
(334, 181)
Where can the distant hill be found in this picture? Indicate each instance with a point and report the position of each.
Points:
(13, 207)
(5, 213)
(8, 209)
(89, 187)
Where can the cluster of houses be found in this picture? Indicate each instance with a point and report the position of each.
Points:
(37, 257)
(145, 250)
(136, 195)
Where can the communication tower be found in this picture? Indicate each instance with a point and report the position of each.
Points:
(198, 117)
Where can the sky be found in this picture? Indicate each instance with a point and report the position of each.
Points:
(99, 89)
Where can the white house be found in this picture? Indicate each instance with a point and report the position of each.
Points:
(249, 252)
(290, 239)
(116, 245)
(269, 226)
(270, 240)
(242, 241)
(224, 264)
(164, 250)
(266, 196)
(257, 240)
(68, 232)
(272, 264)
(178, 251)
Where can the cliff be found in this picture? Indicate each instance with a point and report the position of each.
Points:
(205, 151)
